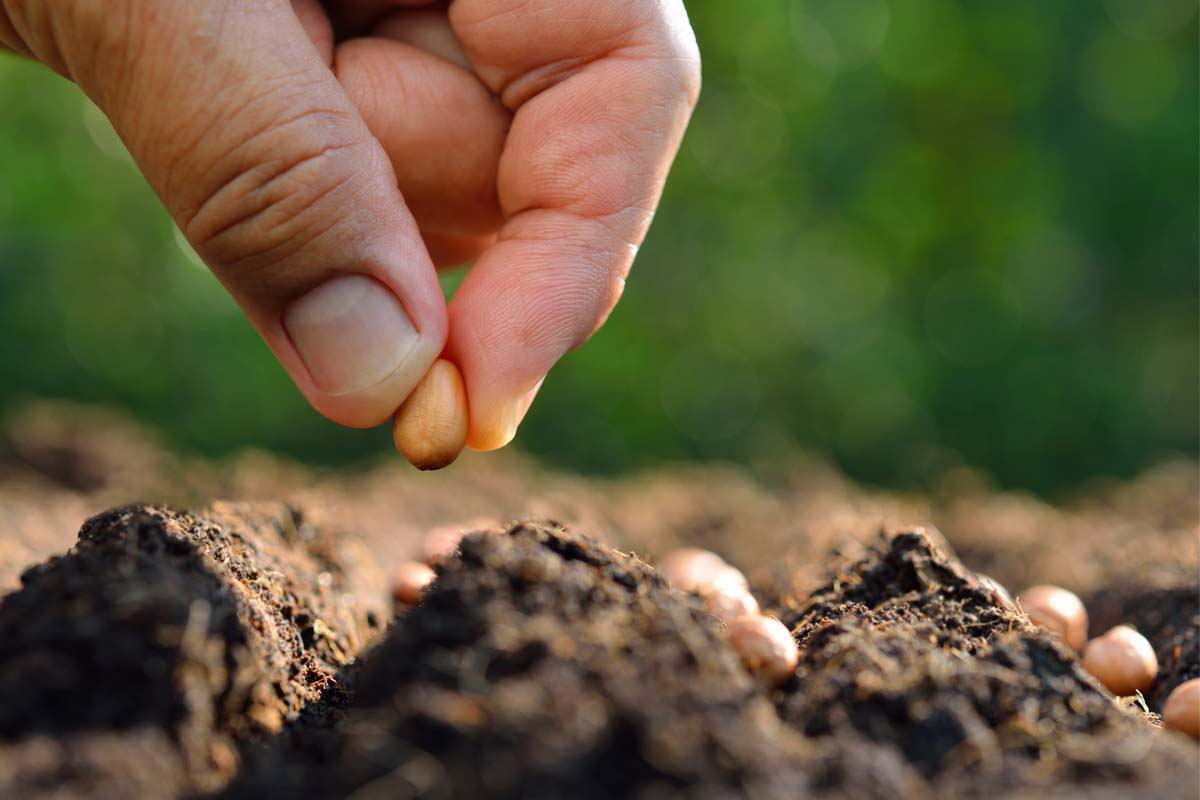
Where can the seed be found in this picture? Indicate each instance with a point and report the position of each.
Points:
(430, 428)
(690, 568)
(1181, 712)
(728, 603)
(1122, 660)
(727, 578)
(765, 647)
(1057, 610)
(411, 578)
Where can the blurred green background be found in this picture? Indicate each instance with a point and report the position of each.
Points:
(907, 234)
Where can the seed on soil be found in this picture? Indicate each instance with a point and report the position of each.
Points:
(728, 603)
(430, 428)
(766, 648)
(690, 568)
(1057, 610)
(1181, 712)
(410, 580)
(728, 578)
(1122, 659)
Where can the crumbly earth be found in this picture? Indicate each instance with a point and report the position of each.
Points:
(241, 651)
(135, 664)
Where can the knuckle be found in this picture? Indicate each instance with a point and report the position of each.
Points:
(69, 36)
(682, 59)
(669, 36)
(276, 192)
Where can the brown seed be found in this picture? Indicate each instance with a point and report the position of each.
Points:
(1058, 611)
(430, 428)
(690, 568)
(765, 647)
(728, 578)
(1122, 660)
(1181, 712)
(728, 603)
(411, 578)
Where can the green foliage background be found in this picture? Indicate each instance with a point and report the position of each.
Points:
(905, 233)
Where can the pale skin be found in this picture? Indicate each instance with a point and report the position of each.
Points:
(296, 143)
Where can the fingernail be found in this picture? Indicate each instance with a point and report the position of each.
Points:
(509, 417)
(351, 332)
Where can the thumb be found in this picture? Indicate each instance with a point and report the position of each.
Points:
(270, 172)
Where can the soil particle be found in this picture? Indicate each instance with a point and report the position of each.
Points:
(183, 633)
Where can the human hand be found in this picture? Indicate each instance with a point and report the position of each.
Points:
(322, 158)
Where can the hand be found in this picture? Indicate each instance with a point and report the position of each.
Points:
(323, 158)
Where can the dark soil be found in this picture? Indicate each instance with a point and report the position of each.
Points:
(249, 650)
(177, 636)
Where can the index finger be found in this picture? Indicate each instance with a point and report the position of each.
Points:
(601, 93)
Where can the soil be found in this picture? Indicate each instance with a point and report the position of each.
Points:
(249, 648)
(176, 635)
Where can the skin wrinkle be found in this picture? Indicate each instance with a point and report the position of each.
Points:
(219, 122)
(258, 271)
(573, 312)
(35, 33)
(619, 188)
(290, 171)
(242, 153)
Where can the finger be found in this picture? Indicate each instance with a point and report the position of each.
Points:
(10, 42)
(271, 173)
(441, 128)
(601, 93)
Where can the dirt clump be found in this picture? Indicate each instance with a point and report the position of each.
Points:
(175, 635)
(543, 664)
(908, 649)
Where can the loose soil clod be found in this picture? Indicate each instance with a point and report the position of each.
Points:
(175, 636)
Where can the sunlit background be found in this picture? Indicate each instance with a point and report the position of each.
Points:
(905, 234)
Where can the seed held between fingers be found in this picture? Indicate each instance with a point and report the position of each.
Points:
(1057, 610)
(1181, 712)
(411, 578)
(430, 428)
(1122, 660)
(766, 648)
